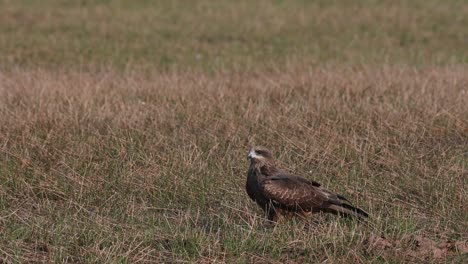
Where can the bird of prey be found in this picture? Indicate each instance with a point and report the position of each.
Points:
(280, 193)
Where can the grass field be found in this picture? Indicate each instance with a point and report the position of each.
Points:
(124, 127)
(182, 35)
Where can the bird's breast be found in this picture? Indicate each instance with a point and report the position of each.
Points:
(253, 187)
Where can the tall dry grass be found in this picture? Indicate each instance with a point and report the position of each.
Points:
(111, 167)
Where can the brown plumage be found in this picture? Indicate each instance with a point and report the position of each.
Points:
(280, 193)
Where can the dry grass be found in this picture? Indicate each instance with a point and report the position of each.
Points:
(124, 127)
(104, 167)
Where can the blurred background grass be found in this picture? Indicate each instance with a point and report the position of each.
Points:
(213, 35)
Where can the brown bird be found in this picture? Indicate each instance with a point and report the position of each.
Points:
(280, 193)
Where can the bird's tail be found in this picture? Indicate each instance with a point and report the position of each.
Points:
(346, 210)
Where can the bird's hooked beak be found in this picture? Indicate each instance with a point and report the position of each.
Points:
(252, 155)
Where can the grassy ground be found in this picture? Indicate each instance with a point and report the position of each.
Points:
(124, 127)
(246, 34)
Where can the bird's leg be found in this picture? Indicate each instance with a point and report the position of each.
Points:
(272, 214)
(306, 214)
(271, 221)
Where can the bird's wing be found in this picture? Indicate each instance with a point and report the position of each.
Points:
(295, 177)
(293, 191)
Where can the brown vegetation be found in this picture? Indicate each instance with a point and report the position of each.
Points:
(113, 167)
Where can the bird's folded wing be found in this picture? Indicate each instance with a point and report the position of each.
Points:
(298, 179)
(293, 191)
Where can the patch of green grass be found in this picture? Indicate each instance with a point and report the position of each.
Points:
(181, 35)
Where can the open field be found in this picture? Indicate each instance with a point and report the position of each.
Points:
(104, 167)
(213, 35)
(124, 128)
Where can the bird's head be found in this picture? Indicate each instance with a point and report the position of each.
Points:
(259, 153)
